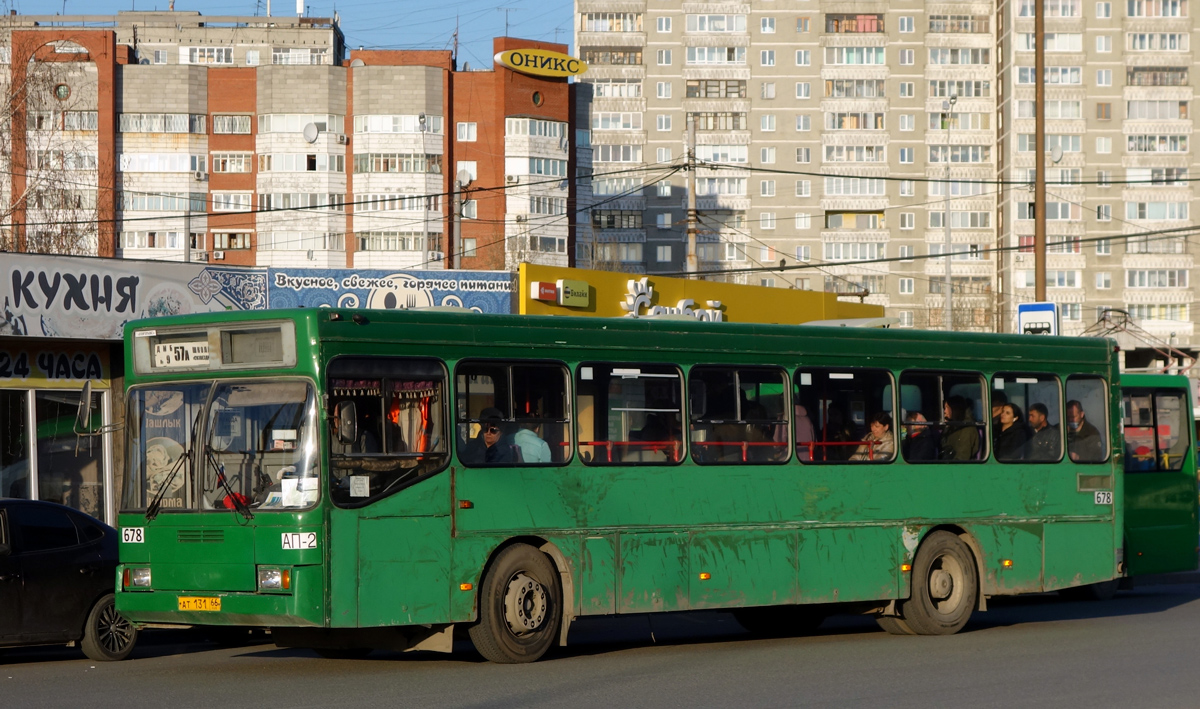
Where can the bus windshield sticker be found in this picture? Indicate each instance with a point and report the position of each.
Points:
(841, 375)
(805, 379)
(1027, 380)
(619, 372)
(360, 486)
(299, 540)
(585, 373)
(145, 333)
(180, 354)
(998, 383)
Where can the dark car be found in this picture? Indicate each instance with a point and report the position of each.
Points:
(57, 574)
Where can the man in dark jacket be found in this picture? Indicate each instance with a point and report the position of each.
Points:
(1084, 442)
(1046, 444)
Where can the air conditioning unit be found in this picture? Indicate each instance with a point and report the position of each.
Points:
(341, 139)
(431, 256)
(200, 176)
(218, 256)
(512, 179)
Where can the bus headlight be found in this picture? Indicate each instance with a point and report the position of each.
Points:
(137, 578)
(274, 579)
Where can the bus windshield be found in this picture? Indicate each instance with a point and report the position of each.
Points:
(257, 446)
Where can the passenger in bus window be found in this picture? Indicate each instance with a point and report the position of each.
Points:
(920, 442)
(999, 399)
(533, 448)
(1011, 434)
(805, 434)
(394, 428)
(1044, 446)
(878, 444)
(491, 445)
(1084, 442)
(960, 439)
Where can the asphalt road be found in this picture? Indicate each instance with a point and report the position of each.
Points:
(1138, 649)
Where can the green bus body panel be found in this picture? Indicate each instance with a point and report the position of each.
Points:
(639, 539)
(1161, 521)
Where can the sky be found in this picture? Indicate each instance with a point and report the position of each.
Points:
(375, 23)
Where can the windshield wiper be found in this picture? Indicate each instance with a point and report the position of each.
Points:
(238, 504)
(156, 503)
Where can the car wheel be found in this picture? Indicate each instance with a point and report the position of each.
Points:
(107, 635)
(520, 607)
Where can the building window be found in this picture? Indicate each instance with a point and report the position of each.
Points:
(803, 188)
(908, 188)
(1104, 43)
(1103, 178)
(768, 25)
(1104, 212)
(908, 220)
(664, 188)
(767, 220)
(662, 154)
(804, 155)
(908, 121)
(253, 57)
(803, 123)
(232, 202)
(300, 55)
(231, 125)
(803, 25)
(906, 318)
(907, 286)
(160, 56)
(907, 252)
(1103, 280)
(767, 90)
(663, 122)
(803, 57)
(907, 25)
(206, 55)
(906, 155)
(906, 89)
(907, 57)
(1104, 77)
(766, 122)
(231, 241)
(1103, 10)
(232, 162)
(1104, 247)
(663, 89)
(1104, 111)
(803, 89)
(767, 57)
(766, 188)
(803, 253)
(1104, 145)
(663, 24)
(663, 220)
(467, 132)
(664, 57)
(662, 253)
(766, 155)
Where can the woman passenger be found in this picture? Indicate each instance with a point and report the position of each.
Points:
(1011, 434)
(879, 444)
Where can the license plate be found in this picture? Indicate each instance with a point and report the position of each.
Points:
(199, 603)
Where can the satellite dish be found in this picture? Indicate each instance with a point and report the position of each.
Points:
(464, 177)
(1056, 154)
(466, 66)
(357, 63)
(311, 132)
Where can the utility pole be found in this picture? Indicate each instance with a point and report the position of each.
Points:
(1039, 152)
(948, 304)
(693, 226)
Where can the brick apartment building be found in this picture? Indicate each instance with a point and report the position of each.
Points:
(259, 141)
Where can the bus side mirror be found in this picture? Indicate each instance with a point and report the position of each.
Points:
(83, 415)
(347, 420)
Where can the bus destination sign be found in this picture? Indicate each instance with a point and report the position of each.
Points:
(180, 354)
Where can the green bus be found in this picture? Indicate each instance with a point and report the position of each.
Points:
(376, 479)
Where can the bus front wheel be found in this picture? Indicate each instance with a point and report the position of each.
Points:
(945, 587)
(520, 607)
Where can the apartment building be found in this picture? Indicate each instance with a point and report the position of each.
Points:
(831, 135)
(261, 141)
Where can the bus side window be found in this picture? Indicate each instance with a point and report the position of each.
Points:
(512, 414)
(1087, 419)
(1173, 438)
(1029, 423)
(737, 415)
(844, 415)
(944, 418)
(629, 414)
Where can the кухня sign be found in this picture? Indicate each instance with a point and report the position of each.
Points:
(541, 62)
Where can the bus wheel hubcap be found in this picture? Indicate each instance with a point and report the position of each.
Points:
(941, 583)
(524, 604)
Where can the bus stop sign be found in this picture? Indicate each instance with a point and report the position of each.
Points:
(1037, 318)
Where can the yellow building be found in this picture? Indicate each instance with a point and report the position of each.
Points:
(552, 290)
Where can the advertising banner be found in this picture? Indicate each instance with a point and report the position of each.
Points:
(481, 291)
(93, 298)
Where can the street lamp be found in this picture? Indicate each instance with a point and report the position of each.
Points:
(948, 302)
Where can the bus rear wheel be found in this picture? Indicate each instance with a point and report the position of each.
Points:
(945, 587)
(520, 607)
